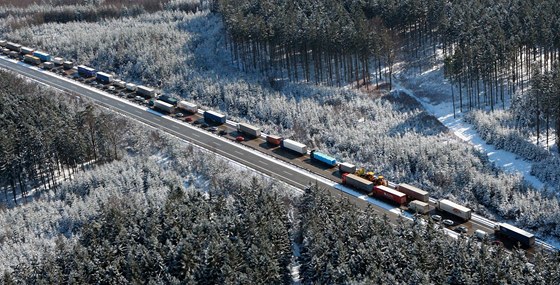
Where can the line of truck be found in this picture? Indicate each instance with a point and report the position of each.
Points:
(358, 178)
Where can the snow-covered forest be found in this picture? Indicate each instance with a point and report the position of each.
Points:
(125, 226)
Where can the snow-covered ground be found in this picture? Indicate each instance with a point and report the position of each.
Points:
(438, 103)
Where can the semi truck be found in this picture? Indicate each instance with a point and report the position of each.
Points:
(26, 50)
(168, 99)
(104, 77)
(419, 207)
(131, 87)
(3, 43)
(145, 91)
(414, 192)
(248, 129)
(326, 159)
(164, 106)
(514, 233)
(13, 46)
(119, 83)
(85, 71)
(273, 140)
(346, 167)
(48, 65)
(58, 60)
(454, 209)
(389, 194)
(187, 106)
(68, 64)
(31, 59)
(357, 182)
(215, 117)
(42, 55)
(294, 146)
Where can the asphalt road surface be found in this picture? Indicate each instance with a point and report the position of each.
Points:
(265, 164)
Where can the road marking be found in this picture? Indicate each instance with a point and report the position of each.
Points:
(175, 127)
(238, 152)
(157, 120)
(262, 162)
(287, 172)
(217, 143)
(194, 134)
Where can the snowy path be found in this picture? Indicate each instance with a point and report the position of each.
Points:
(506, 160)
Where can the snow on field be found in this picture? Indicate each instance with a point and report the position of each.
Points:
(437, 101)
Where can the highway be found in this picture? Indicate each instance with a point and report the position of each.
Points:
(263, 161)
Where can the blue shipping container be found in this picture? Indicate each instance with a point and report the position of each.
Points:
(216, 117)
(43, 56)
(323, 158)
(86, 71)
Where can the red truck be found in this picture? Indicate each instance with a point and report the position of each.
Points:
(389, 194)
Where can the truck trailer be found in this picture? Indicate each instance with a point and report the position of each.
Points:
(164, 106)
(248, 129)
(389, 194)
(326, 159)
(131, 87)
(187, 106)
(31, 59)
(42, 55)
(104, 77)
(523, 237)
(419, 207)
(273, 140)
(168, 99)
(58, 60)
(346, 167)
(13, 46)
(85, 71)
(145, 91)
(358, 182)
(215, 117)
(68, 64)
(454, 209)
(413, 192)
(48, 65)
(27, 50)
(294, 146)
(3, 43)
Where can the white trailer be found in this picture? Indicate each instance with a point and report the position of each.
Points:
(27, 50)
(454, 209)
(294, 146)
(188, 106)
(164, 106)
(131, 86)
(119, 83)
(146, 91)
(248, 129)
(419, 207)
(58, 60)
(347, 167)
(414, 192)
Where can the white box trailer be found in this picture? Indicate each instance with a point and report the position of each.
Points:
(58, 60)
(119, 83)
(294, 146)
(414, 192)
(454, 209)
(419, 207)
(347, 167)
(188, 106)
(27, 50)
(131, 86)
(164, 106)
(146, 91)
(248, 129)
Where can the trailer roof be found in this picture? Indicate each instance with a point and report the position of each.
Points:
(390, 190)
(455, 205)
(517, 230)
(358, 178)
(413, 188)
